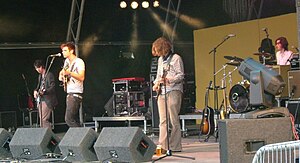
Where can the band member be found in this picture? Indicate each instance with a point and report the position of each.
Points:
(72, 76)
(283, 55)
(44, 93)
(170, 73)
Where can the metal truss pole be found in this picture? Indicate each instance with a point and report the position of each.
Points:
(252, 8)
(172, 19)
(75, 21)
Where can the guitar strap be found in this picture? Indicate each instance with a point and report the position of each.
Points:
(167, 68)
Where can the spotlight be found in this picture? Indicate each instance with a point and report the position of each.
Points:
(155, 4)
(145, 4)
(123, 4)
(134, 5)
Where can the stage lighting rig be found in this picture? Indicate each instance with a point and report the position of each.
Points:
(265, 83)
(123, 4)
(145, 4)
(135, 4)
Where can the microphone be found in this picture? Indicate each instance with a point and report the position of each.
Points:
(55, 55)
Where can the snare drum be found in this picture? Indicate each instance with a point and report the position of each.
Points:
(239, 98)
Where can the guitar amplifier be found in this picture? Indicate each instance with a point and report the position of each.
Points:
(294, 84)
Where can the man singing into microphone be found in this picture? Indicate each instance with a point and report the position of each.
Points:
(72, 75)
(170, 73)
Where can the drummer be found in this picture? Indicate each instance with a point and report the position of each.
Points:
(283, 55)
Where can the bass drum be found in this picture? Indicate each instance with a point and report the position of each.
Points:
(239, 98)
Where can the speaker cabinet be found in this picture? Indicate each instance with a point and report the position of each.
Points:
(5, 138)
(124, 144)
(77, 144)
(294, 84)
(283, 71)
(241, 138)
(32, 143)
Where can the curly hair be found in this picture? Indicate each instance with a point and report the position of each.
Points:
(161, 46)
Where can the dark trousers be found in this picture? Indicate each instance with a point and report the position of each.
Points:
(72, 110)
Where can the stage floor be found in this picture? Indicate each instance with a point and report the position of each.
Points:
(193, 146)
(204, 152)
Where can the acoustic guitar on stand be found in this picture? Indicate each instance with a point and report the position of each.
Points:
(207, 126)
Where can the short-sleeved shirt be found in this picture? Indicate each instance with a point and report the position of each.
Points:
(74, 85)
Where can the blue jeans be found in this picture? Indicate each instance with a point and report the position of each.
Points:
(72, 111)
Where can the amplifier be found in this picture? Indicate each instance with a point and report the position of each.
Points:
(283, 71)
(294, 84)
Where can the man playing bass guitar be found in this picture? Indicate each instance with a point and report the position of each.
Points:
(45, 94)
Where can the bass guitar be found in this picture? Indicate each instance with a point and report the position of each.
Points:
(207, 126)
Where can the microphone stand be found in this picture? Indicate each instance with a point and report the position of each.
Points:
(169, 152)
(215, 88)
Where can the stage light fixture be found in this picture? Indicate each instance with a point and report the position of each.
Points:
(123, 4)
(155, 4)
(265, 83)
(134, 5)
(145, 4)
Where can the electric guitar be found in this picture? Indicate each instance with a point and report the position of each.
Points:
(207, 126)
(158, 91)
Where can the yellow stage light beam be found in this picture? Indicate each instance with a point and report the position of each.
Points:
(88, 45)
(134, 34)
(193, 22)
(164, 27)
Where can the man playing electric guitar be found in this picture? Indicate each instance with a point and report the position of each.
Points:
(45, 94)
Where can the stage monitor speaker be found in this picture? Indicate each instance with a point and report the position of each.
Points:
(124, 144)
(33, 143)
(241, 138)
(294, 84)
(77, 144)
(5, 138)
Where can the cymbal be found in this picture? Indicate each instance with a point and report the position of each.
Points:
(263, 54)
(229, 57)
(233, 64)
(234, 58)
